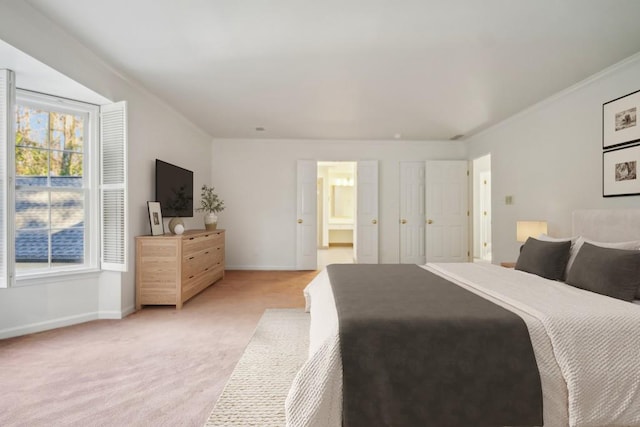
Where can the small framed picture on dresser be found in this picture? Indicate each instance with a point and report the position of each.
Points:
(155, 218)
(620, 172)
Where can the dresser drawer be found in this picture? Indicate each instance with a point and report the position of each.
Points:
(218, 255)
(198, 262)
(194, 244)
(201, 281)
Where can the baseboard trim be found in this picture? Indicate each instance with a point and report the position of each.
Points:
(115, 314)
(260, 267)
(61, 322)
(127, 311)
(47, 325)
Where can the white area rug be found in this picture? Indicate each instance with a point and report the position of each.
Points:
(258, 386)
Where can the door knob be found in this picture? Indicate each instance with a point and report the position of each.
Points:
(403, 221)
(299, 221)
(429, 221)
(374, 222)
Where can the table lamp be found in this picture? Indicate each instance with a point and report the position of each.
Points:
(526, 229)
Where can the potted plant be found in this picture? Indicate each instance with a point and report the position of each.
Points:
(211, 204)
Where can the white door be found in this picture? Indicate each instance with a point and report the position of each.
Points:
(485, 216)
(447, 211)
(366, 237)
(306, 250)
(412, 213)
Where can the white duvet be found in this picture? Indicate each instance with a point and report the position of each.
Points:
(587, 348)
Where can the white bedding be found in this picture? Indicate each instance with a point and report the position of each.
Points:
(587, 348)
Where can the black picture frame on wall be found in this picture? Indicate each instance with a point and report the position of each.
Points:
(620, 168)
(620, 121)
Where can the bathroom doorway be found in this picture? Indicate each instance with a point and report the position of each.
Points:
(336, 207)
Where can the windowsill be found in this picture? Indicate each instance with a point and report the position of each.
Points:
(44, 278)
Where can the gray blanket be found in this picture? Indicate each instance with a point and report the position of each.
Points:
(418, 350)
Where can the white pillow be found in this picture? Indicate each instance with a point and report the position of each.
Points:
(546, 238)
(630, 245)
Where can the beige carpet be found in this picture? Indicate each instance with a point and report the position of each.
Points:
(256, 391)
(157, 367)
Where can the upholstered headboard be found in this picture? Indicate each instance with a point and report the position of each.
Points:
(607, 225)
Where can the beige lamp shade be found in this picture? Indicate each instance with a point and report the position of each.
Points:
(526, 229)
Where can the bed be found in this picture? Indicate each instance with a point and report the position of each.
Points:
(586, 345)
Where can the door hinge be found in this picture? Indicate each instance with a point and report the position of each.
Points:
(467, 213)
(467, 173)
(468, 254)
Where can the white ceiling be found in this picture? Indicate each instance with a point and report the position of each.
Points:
(352, 69)
(36, 76)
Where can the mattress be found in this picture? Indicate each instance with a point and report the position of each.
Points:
(584, 344)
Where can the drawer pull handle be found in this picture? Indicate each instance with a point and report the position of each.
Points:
(206, 252)
(191, 277)
(191, 238)
(206, 269)
(191, 257)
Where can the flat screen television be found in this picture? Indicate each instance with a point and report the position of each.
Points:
(174, 190)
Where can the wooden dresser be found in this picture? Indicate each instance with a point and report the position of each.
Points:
(170, 269)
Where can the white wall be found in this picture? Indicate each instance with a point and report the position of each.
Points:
(257, 180)
(155, 131)
(549, 158)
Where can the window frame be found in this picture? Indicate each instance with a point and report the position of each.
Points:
(91, 176)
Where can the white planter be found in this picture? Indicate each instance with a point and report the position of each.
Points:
(210, 221)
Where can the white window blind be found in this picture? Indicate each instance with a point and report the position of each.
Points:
(7, 102)
(113, 185)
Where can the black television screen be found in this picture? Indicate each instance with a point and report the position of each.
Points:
(174, 190)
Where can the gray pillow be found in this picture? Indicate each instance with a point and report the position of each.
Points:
(607, 271)
(545, 259)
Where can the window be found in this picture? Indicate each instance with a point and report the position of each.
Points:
(56, 200)
(63, 186)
